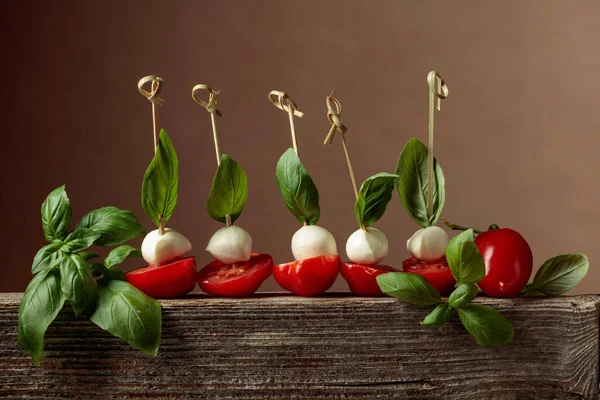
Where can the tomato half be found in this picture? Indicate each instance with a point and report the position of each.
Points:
(175, 279)
(308, 277)
(437, 273)
(235, 280)
(508, 262)
(362, 279)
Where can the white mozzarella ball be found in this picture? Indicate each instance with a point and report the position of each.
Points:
(313, 241)
(428, 244)
(230, 245)
(367, 247)
(157, 248)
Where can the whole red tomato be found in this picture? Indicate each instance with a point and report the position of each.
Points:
(308, 277)
(508, 262)
(235, 280)
(362, 279)
(437, 273)
(175, 279)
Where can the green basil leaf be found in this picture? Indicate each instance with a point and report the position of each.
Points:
(79, 239)
(438, 317)
(116, 274)
(130, 315)
(464, 259)
(228, 192)
(77, 282)
(47, 257)
(159, 188)
(88, 255)
(411, 288)
(463, 295)
(486, 325)
(560, 274)
(98, 269)
(114, 225)
(40, 305)
(56, 214)
(373, 198)
(298, 189)
(412, 184)
(119, 254)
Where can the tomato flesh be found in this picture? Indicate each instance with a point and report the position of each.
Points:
(508, 262)
(167, 281)
(235, 280)
(308, 277)
(436, 273)
(362, 279)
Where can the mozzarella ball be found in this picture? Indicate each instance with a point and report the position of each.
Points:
(158, 249)
(428, 244)
(313, 241)
(230, 245)
(367, 247)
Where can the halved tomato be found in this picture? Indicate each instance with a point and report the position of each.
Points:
(437, 273)
(235, 280)
(362, 279)
(308, 277)
(175, 279)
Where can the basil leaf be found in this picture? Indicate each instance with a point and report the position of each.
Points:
(375, 193)
(88, 255)
(463, 295)
(116, 274)
(298, 189)
(228, 192)
(114, 225)
(129, 314)
(79, 239)
(47, 257)
(486, 325)
(464, 259)
(560, 274)
(438, 317)
(77, 282)
(411, 288)
(159, 188)
(98, 269)
(56, 214)
(119, 254)
(412, 185)
(40, 305)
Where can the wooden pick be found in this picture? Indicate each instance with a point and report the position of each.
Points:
(152, 96)
(437, 92)
(211, 107)
(334, 115)
(284, 102)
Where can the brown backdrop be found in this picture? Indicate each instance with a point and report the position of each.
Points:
(517, 138)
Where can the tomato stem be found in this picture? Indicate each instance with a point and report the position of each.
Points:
(455, 227)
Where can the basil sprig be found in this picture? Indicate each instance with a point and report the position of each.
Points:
(412, 184)
(559, 274)
(484, 323)
(228, 192)
(374, 195)
(159, 188)
(62, 273)
(297, 188)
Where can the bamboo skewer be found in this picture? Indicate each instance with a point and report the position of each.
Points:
(284, 102)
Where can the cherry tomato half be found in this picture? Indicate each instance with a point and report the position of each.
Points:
(175, 279)
(235, 280)
(308, 277)
(437, 273)
(508, 262)
(362, 279)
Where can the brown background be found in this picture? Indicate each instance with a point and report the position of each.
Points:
(517, 138)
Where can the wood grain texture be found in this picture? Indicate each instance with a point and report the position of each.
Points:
(336, 346)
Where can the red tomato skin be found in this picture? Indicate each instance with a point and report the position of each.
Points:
(245, 278)
(508, 262)
(437, 273)
(165, 281)
(362, 279)
(308, 277)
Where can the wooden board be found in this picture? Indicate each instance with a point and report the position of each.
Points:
(336, 346)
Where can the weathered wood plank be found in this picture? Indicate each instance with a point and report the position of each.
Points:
(276, 347)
